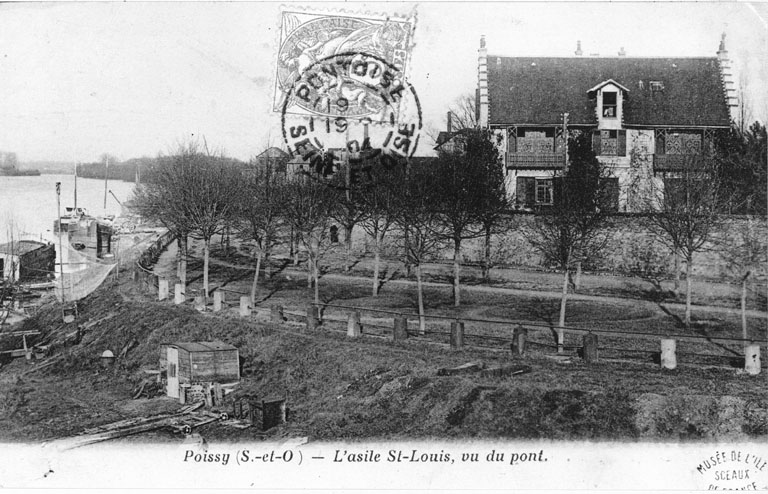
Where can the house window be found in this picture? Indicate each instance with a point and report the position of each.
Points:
(544, 191)
(609, 142)
(171, 370)
(656, 86)
(609, 104)
(533, 192)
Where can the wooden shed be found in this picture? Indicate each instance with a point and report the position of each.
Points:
(201, 361)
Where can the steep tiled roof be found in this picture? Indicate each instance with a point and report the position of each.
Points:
(537, 90)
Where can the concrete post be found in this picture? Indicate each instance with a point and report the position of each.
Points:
(245, 307)
(216, 301)
(401, 328)
(752, 359)
(590, 348)
(457, 334)
(162, 289)
(354, 329)
(519, 338)
(276, 313)
(313, 317)
(668, 357)
(178, 294)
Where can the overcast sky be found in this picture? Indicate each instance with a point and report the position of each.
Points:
(132, 79)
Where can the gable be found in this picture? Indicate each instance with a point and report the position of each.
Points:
(537, 91)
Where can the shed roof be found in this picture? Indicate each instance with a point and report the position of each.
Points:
(21, 247)
(204, 346)
(537, 90)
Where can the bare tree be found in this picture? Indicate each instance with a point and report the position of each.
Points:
(349, 210)
(377, 190)
(260, 210)
(746, 256)
(163, 195)
(211, 202)
(417, 216)
(685, 212)
(464, 112)
(573, 228)
(467, 180)
(190, 193)
(308, 205)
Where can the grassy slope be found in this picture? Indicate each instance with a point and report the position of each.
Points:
(369, 388)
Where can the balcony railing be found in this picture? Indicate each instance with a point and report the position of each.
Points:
(536, 160)
(679, 162)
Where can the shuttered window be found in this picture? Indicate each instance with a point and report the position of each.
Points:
(526, 191)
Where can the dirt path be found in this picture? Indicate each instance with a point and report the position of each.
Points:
(166, 266)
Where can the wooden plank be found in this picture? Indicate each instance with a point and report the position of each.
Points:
(467, 368)
(20, 333)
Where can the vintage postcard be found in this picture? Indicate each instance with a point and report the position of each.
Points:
(355, 247)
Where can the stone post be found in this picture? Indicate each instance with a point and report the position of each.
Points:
(752, 359)
(457, 334)
(519, 338)
(162, 289)
(354, 329)
(178, 294)
(400, 331)
(590, 348)
(668, 357)
(313, 316)
(245, 307)
(217, 301)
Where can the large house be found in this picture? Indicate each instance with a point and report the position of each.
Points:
(646, 116)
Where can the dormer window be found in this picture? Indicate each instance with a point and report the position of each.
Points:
(657, 86)
(609, 104)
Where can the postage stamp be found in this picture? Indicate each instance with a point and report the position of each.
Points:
(307, 37)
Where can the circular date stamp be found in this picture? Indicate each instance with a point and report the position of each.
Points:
(351, 102)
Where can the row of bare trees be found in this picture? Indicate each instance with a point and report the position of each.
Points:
(422, 204)
(426, 205)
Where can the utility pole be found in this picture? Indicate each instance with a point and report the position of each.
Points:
(61, 249)
(106, 174)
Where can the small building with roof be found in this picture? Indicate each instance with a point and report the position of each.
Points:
(201, 361)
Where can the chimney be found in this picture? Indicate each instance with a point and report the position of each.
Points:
(450, 127)
(482, 83)
(622, 53)
(578, 51)
(727, 76)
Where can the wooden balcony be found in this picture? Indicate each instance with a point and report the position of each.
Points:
(552, 161)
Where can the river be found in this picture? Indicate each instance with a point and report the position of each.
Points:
(28, 204)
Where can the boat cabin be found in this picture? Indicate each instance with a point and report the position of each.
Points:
(27, 260)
